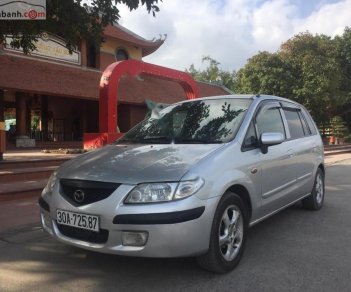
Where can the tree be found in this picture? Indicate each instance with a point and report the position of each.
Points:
(317, 73)
(70, 19)
(265, 73)
(338, 127)
(213, 73)
(343, 50)
(314, 70)
(343, 47)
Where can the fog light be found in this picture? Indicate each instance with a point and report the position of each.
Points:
(130, 238)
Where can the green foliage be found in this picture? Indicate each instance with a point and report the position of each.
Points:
(343, 48)
(317, 73)
(338, 127)
(265, 73)
(70, 19)
(314, 70)
(213, 73)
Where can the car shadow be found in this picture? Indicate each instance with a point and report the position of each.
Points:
(295, 250)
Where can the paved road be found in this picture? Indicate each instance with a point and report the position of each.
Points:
(296, 250)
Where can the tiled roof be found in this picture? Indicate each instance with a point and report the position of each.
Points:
(147, 46)
(41, 77)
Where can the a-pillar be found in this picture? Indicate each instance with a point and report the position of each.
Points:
(21, 114)
(2, 126)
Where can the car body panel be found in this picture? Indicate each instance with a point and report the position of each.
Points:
(272, 181)
(133, 164)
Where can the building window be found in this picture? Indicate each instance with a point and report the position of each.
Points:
(91, 56)
(121, 54)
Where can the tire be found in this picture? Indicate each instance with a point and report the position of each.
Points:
(230, 224)
(316, 199)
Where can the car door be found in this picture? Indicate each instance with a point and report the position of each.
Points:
(278, 176)
(303, 144)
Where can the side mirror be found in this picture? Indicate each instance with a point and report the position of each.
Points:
(270, 139)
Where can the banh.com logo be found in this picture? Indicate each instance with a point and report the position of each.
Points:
(22, 10)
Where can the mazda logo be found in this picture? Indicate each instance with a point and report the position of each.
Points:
(79, 196)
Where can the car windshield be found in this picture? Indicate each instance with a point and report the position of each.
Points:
(197, 121)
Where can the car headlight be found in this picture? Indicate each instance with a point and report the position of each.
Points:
(51, 183)
(163, 192)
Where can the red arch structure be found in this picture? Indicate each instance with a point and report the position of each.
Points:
(108, 99)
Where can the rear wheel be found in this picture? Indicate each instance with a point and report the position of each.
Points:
(316, 199)
(228, 235)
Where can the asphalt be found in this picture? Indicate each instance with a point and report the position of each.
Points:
(10, 220)
(295, 250)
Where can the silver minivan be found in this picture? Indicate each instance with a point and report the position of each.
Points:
(189, 180)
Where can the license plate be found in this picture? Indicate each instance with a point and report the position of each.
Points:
(84, 221)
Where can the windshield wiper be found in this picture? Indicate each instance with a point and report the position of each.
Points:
(145, 139)
(197, 141)
(155, 139)
(125, 140)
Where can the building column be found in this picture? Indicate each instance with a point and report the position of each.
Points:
(28, 122)
(83, 52)
(2, 126)
(44, 117)
(84, 119)
(21, 114)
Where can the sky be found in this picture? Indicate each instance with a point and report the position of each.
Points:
(231, 31)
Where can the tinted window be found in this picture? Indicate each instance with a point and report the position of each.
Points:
(198, 121)
(309, 122)
(250, 140)
(270, 120)
(305, 127)
(294, 123)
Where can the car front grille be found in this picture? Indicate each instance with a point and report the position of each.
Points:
(83, 234)
(83, 192)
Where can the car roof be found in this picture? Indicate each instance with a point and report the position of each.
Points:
(245, 96)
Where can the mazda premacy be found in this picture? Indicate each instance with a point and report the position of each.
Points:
(189, 180)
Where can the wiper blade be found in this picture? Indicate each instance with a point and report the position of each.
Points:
(125, 140)
(144, 139)
(198, 141)
(155, 139)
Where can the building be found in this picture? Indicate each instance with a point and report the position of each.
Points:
(52, 95)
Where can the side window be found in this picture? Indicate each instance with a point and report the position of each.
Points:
(309, 122)
(305, 127)
(294, 123)
(270, 120)
(250, 141)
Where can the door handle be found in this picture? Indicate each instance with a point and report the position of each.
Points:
(254, 170)
(291, 153)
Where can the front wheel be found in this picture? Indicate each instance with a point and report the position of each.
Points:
(228, 235)
(316, 199)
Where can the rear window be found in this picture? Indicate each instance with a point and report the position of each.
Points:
(294, 123)
(309, 121)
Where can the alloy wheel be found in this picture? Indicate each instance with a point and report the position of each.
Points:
(231, 232)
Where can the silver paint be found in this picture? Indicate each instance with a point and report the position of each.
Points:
(282, 176)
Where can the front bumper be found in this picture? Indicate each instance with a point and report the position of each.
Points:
(175, 229)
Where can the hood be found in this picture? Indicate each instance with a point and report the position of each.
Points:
(133, 164)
